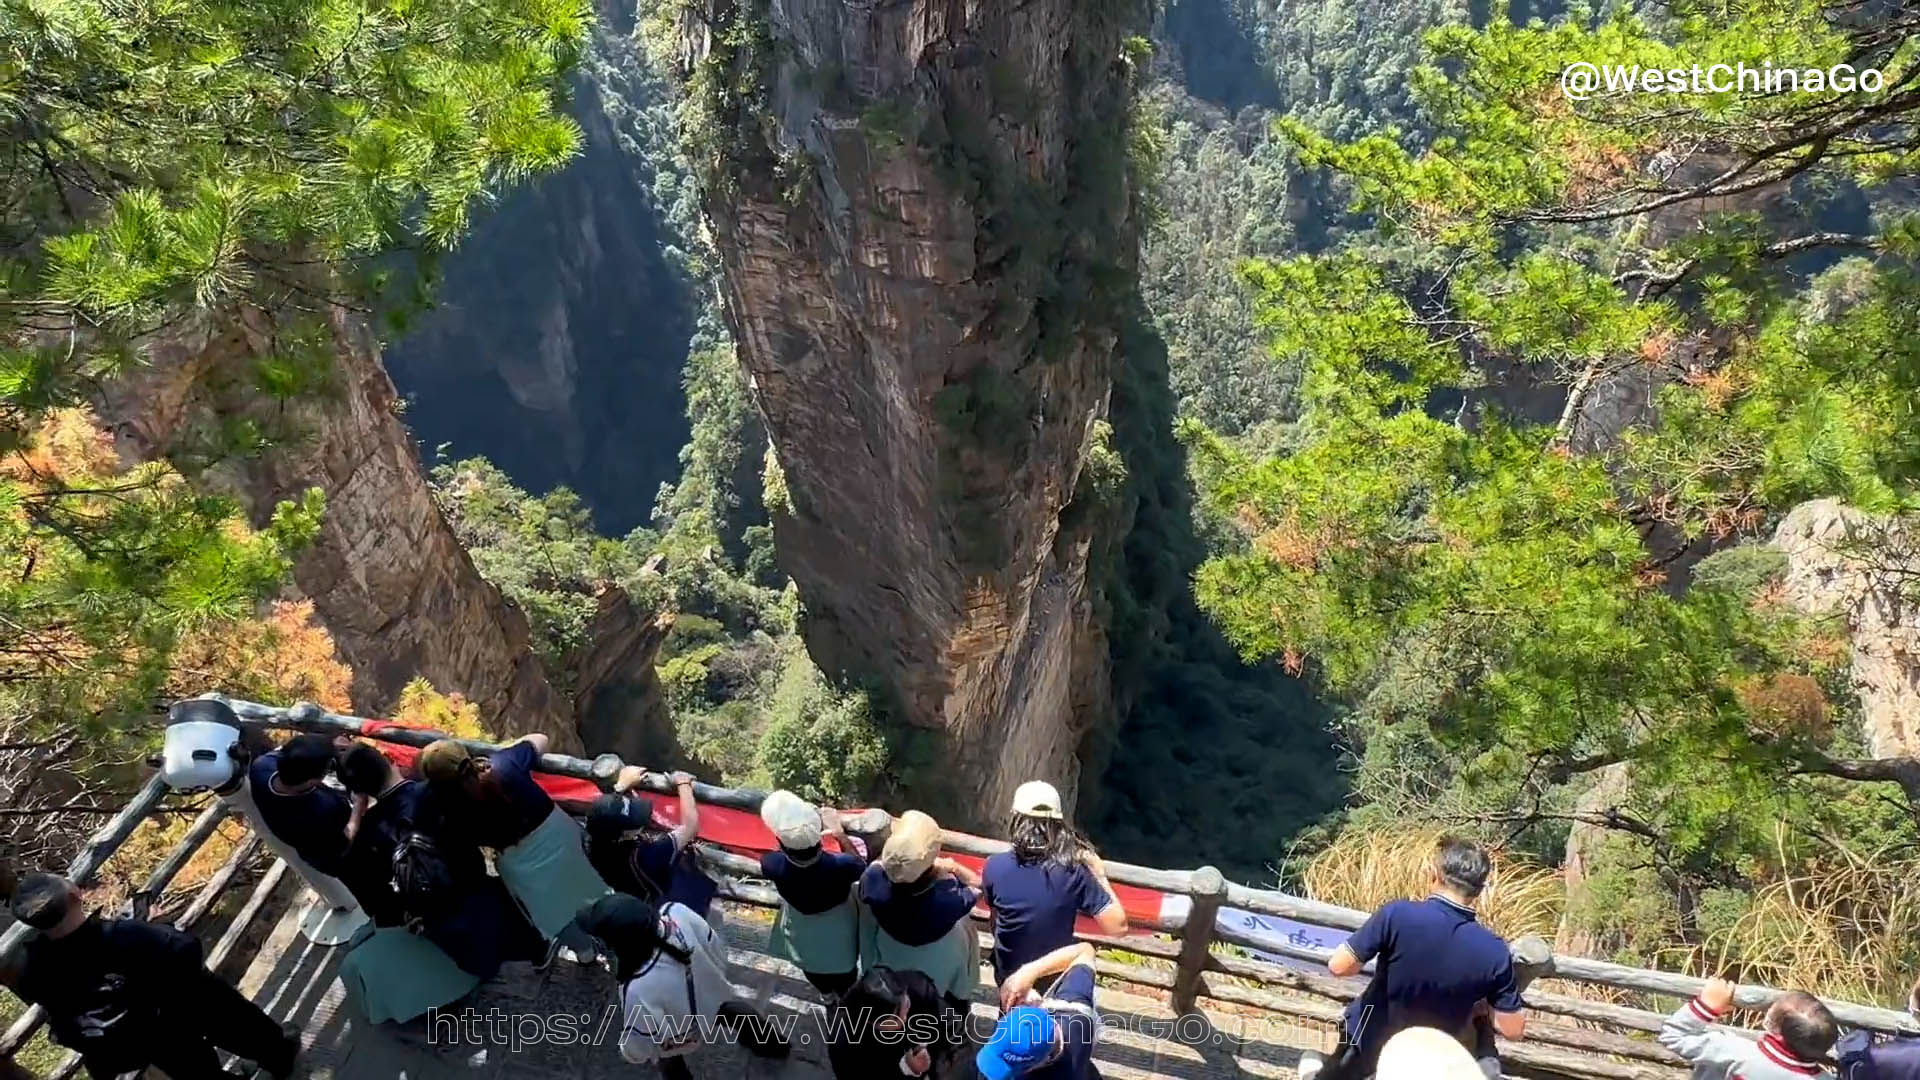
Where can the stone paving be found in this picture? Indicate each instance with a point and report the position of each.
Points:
(296, 982)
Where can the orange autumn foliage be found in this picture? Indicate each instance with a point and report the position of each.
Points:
(281, 657)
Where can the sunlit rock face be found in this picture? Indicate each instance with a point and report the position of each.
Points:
(925, 228)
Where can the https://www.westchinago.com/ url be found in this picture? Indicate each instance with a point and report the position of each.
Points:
(516, 1031)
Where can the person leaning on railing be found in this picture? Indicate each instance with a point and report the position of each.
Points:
(638, 857)
(441, 923)
(1037, 890)
(1799, 1032)
(916, 909)
(818, 925)
(495, 802)
(1434, 966)
(1863, 1057)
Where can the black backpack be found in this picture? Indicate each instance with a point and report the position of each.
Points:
(422, 879)
(104, 1011)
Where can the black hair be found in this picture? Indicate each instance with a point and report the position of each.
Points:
(1463, 866)
(364, 770)
(879, 990)
(801, 856)
(613, 808)
(630, 929)
(1043, 840)
(305, 758)
(1804, 1024)
(43, 901)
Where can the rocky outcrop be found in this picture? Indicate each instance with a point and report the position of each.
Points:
(926, 237)
(616, 691)
(1865, 570)
(1585, 856)
(386, 575)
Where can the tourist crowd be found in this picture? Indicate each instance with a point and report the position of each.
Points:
(465, 863)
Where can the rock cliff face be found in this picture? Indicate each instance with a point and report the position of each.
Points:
(1864, 570)
(387, 576)
(617, 696)
(925, 229)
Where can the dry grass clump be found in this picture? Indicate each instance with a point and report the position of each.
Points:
(1850, 931)
(1366, 867)
(1845, 926)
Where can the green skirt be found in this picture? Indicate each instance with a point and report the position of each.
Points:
(823, 944)
(549, 874)
(390, 974)
(953, 962)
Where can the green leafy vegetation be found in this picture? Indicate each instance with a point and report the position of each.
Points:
(170, 166)
(221, 180)
(1509, 600)
(747, 704)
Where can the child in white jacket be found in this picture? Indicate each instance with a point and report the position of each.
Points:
(674, 993)
(1799, 1033)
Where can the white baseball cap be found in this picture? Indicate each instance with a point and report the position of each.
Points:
(1423, 1053)
(794, 821)
(1037, 798)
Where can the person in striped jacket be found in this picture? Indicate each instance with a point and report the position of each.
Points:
(1799, 1033)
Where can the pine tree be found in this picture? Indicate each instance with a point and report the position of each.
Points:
(1489, 589)
(171, 164)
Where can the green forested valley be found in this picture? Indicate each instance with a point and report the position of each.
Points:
(1469, 457)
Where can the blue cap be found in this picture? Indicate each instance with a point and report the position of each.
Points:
(1023, 1040)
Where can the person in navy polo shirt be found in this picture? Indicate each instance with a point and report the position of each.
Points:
(818, 927)
(289, 790)
(1047, 1037)
(1050, 878)
(1434, 966)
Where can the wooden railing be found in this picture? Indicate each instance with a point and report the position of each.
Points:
(1187, 958)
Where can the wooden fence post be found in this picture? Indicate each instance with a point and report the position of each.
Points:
(1209, 892)
(1532, 958)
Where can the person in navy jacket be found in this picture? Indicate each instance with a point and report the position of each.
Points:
(1864, 1056)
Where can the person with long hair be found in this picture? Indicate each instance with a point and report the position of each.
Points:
(672, 968)
(538, 852)
(916, 908)
(1038, 889)
(440, 924)
(896, 1023)
(818, 925)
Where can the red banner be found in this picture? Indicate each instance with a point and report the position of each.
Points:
(737, 830)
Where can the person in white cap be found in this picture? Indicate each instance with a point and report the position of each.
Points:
(1424, 1053)
(818, 927)
(280, 794)
(1051, 877)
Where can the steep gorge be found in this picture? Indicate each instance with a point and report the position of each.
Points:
(927, 240)
(560, 328)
